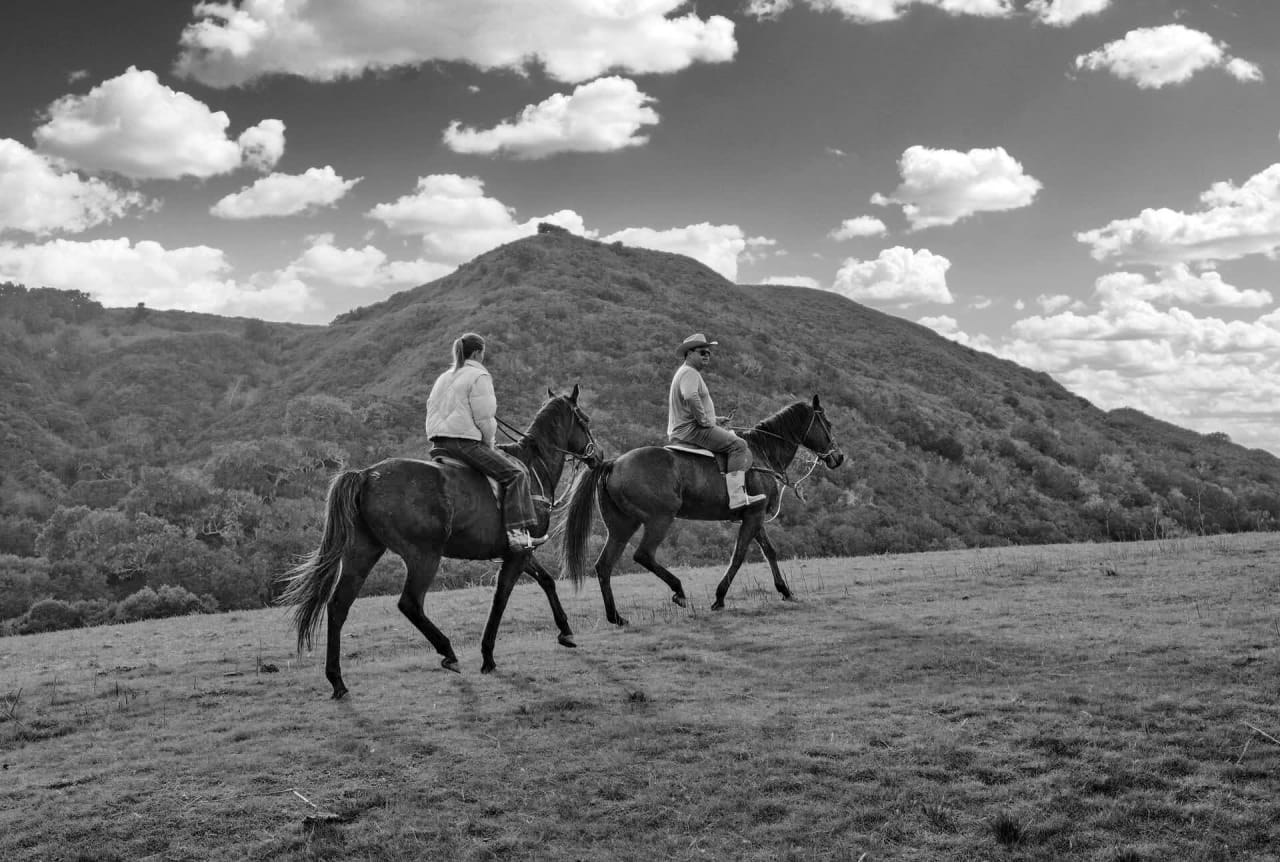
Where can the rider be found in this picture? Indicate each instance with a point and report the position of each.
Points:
(691, 418)
(461, 422)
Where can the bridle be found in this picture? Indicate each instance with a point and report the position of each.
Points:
(586, 456)
(818, 457)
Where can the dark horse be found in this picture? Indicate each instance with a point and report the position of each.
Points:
(423, 511)
(652, 486)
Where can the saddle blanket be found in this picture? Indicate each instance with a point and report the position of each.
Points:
(454, 462)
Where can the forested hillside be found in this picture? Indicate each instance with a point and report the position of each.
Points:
(157, 462)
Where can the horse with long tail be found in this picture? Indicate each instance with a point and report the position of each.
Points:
(652, 486)
(425, 511)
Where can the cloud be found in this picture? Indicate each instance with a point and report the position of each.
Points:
(262, 146)
(599, 117)
(875, 11)
(899, 276)
(1178, 285)
(941, 187)
(1234, 222)
(792, 281)
(117, 272)
(360, 268)
(1154, 57)
(40, 195)
(1200, 372)
(285, 194)
(717, 246)
(852, 228)
(1064, 13)
(457, 221)
(135, 126)
(572, 41)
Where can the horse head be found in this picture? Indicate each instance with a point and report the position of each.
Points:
(578, 439)
(819, 438)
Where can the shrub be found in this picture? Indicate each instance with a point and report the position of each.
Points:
(48, 615)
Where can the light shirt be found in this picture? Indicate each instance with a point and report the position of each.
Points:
(689, 403)
(462, 404)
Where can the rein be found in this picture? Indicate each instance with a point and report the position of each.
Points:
(579, 458)
(781, 474)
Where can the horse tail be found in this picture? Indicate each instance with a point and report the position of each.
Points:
(310, 585)
(577, 520)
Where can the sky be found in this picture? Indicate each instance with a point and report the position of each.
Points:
(1089, 188)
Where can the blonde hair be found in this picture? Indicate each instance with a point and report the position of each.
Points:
(464, 347)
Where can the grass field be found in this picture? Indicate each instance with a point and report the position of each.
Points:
(1108, 702)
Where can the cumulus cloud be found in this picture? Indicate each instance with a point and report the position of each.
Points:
(117, 272)
(874, 11)
(1126, 350)
(941, 187)
(40, 195)
(360, 268)
(1154, 57)
(285, 194)
(602, 116)
(230, 45)
(1234, 222)
(898, 276)
(456, 220)
(861, 226)
(719, 246)
(1064, 13)
(1178, 285)
(792, 281)
(135, 126)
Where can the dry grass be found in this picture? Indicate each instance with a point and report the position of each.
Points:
(1108, 702)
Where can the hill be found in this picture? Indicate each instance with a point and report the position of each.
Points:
(145, 448)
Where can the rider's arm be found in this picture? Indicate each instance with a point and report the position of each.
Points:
(484, 408)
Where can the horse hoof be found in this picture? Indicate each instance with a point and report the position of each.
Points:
(790, 599)
(718, 605)
(566, 640)
(450, 664)
(620, 621)
(488, 666)
(338, 693)
(680, 600)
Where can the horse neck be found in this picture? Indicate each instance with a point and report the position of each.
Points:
(541, 454)
(776, 451)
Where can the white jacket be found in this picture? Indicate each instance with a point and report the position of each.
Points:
(462, 404)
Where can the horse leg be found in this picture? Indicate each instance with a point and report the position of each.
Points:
(745, 534)
(512, 564)
(357, 560)
(646, 555)
(534, 569)
(421, 566)
(614, 545)
(771, 554)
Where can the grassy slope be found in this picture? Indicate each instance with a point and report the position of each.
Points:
(1110, 702)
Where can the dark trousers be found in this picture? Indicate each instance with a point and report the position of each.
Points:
(719, 439)
(517, 504)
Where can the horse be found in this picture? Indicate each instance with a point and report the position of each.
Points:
(652, 486)
(424, 511)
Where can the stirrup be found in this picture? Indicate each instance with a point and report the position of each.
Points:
(520, 540)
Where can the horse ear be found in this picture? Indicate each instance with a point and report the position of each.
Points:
(550, 394)
(573, 396)
(816, 405)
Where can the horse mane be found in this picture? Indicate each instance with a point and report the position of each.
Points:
(794, 418)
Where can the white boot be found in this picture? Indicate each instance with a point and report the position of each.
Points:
(738, 496)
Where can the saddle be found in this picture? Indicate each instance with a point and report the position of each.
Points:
(440, 458)
(722, 460)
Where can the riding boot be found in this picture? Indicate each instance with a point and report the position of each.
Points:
(738, 496)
